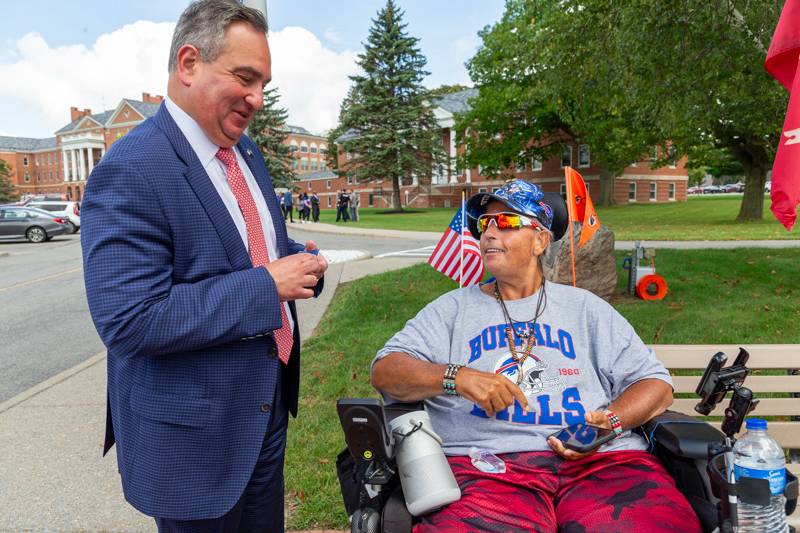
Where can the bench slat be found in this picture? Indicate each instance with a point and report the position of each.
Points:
(786, 433)
(765, 407)
(696, 356)
(754, 383)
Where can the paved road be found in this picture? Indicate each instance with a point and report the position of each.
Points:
(45, 327)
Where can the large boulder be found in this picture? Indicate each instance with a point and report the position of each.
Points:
(595, 265)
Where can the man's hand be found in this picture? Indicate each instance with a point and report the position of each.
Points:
(322, 262)
(295, 276)
(492, 392)
(595, 418)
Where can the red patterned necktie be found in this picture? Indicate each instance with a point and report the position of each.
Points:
(255, 240)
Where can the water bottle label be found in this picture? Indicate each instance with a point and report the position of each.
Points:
(776, 478)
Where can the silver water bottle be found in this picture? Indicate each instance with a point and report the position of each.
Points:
(427, 480)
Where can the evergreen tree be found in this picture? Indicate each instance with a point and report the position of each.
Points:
(388, 115)
(268, 131)
(7, 192)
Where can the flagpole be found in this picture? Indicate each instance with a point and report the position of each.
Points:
(570, 209)
(463, 222)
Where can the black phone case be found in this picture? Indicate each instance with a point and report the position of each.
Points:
(588, 447)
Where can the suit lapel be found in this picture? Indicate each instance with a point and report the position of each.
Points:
(209, 198)
(259, 171)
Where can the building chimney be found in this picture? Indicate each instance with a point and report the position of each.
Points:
(152, 99)
(87, 112)
(74, 114)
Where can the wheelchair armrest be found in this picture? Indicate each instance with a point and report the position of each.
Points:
(393, 410)
(681, 435)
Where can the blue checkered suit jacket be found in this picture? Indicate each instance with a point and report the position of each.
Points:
(187, 321)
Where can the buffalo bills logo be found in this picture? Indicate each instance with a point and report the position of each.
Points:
(547, 210)
(535, 376)
(592, 220)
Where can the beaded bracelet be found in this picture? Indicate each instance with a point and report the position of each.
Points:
(616, 424)
(449, 379)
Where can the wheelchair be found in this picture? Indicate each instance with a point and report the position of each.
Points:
(692, 451)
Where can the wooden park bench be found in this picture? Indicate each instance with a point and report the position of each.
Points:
(783, 358)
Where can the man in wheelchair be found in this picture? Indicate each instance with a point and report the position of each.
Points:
(504, 365)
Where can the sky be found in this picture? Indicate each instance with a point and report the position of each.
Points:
(56, 54)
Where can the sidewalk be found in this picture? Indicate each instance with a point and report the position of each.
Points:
(354, 229)
(52, 475)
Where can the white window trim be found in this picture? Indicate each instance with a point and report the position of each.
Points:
(653, 192)
(672, 191)
(328, 186)
(562, 190)
(588, 153)
(635, 191)
(570, 157)
(536, 164)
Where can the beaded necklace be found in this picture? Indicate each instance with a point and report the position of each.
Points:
(526, 335)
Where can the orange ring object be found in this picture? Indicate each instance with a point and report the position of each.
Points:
(651, 287)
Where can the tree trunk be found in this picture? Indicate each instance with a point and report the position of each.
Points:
(752, 207)
(606, 187)
(397, 205)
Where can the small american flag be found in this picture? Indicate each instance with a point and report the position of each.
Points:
(458, 255)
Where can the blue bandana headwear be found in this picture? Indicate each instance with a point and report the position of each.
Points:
(522, 197)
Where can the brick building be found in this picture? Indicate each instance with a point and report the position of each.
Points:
(308, 150)
(638, 183)
(62, 164)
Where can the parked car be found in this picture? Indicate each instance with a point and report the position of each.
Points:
(35, 225)
(768, 186)
(61, 208)
(712, 189)
(733, 187)
(694, 190)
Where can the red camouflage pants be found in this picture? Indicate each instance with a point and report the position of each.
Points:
(612, 492)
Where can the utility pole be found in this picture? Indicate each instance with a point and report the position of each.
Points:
(260, 5)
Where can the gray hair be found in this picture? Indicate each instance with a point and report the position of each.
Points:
(203, 25)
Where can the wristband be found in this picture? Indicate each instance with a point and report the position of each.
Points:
(449, 379)
(613, 419)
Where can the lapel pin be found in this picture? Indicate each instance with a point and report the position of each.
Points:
(249, 153)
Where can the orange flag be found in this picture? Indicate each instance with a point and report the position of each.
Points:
(580, 206)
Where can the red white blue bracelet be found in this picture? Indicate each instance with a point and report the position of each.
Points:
(613, 419)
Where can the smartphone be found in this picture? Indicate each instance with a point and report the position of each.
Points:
(583, 437)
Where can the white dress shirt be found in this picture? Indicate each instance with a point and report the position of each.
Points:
(206, 152)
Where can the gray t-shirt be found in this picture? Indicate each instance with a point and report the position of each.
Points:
(586, 355)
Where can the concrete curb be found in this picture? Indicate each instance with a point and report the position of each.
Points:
(366, 232)
(50, 382)
(4, 254)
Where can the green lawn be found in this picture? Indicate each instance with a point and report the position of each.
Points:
(715, 296)
(710, 217)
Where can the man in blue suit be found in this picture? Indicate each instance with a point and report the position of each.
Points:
(191, 280)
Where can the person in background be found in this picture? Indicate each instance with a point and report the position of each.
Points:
(354, 203)
(279, 197)
(287, 204)
(342, 204)
(314, 207)
(305, 204)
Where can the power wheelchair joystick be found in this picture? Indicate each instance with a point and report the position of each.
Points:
(715, 384)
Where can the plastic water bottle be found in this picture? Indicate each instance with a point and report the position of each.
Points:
(486, 461)
(757, 455)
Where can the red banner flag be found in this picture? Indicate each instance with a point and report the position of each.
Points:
(580, 206)
(782, 64)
